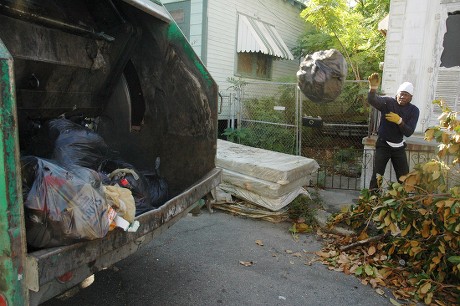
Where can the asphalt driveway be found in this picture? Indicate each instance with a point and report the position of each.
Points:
(220, 259)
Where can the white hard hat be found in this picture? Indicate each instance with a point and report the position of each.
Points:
(407, 87)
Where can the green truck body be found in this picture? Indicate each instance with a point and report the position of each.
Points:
(127, 64)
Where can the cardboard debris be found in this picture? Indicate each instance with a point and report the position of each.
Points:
(253, 211)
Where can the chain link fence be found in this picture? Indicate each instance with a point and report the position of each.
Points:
(278, 117)
(334, 139)
(269, 116)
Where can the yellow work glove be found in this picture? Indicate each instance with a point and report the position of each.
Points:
(392, 117)
(374, 81)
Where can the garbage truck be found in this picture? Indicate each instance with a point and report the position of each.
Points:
(124, 69)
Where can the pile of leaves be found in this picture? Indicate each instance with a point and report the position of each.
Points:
(409, 234)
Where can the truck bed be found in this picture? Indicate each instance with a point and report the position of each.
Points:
(86, 258)
(126, 67)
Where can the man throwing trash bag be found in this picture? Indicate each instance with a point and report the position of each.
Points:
(399, 118)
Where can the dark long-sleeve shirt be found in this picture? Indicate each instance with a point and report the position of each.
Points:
(390, 131)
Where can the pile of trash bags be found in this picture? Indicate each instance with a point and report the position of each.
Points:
(74, 191)
(321, 75)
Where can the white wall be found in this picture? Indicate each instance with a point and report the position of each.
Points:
(196, 26)
(413, 51)
(222, 30)
(405, 49)
(222, 33)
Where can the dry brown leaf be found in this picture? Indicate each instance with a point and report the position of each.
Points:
(363, 235)
(380, 281)
(380, 291)
(385, 272)
(394, 302)
(246, 263)
(259, 242)
(322, 254)
(343, 259)
(302, 227)
(371, 251)
(428, 298)
(353, 268)
(424, 289)
(400, 294)
(338, 269)
(441, 303)
(373, 282)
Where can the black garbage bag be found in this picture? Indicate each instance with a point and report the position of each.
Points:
(149, 189)
(76, 144)
(69, 143)
(321, 75)
(157, 187)
(63, 206)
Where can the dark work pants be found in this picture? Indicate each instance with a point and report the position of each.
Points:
(383, 153)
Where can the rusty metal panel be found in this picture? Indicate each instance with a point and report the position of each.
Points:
(12, 231)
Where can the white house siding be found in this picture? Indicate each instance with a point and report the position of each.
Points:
(446, 81)
(405, 50)
(222, 33)
(222, 18)
(222, 27)
(413, 51)
(196, 25)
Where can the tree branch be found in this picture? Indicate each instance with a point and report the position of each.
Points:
(363, 242)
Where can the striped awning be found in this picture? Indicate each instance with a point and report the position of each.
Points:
(257, 36)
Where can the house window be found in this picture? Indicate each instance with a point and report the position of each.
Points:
(447, 86)
(178, 15)
(451, 44)
(254, 65)
(180, 12)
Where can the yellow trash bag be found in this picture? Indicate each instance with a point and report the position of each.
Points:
(121, 199)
